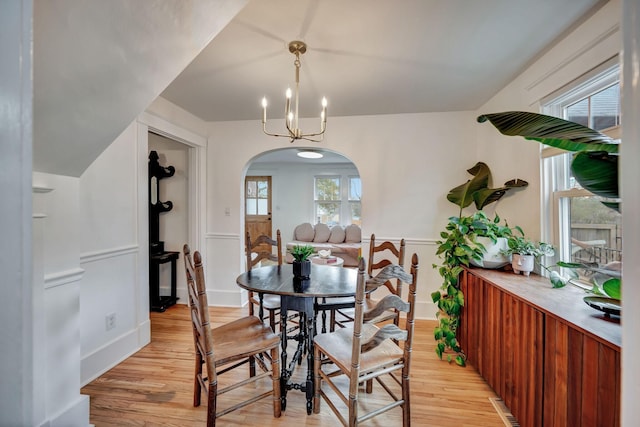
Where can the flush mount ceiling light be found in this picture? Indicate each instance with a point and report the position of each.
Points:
(291, 116)
(310, 154)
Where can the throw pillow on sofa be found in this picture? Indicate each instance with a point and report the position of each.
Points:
(353, 234)
(304, 232)
(322, 233)
(337, 234)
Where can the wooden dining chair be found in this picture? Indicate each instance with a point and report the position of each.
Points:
(367, 352)
(227, 347)
(256, 251)
(380, 255)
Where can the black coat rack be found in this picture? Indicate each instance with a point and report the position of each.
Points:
(157, 254)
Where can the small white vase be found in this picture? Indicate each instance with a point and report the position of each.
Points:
(522, 263)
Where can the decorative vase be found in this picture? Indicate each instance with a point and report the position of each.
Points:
(300, 285)
(522, 263)
(302, 269)
(492, 258)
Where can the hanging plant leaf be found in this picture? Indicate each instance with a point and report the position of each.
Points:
(487, 196)
(595, 165)
(477, 189)
(612, 288)
(597, 171)
(550, 130)
(516, 183)
(462, 195)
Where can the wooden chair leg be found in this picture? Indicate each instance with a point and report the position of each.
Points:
(252, 366)
(197, 390)
(406, 408)
(275, 376)
(272, 320)
(212, 402)
(317, 363)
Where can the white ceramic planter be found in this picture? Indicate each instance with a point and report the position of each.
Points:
(492, 258)
(522, 264)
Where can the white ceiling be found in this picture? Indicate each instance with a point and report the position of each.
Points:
(99, 64)
(370, 56)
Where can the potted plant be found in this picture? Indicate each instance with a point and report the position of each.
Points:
(301, 261)
(524, 252)
(462, 244)
(490, 235)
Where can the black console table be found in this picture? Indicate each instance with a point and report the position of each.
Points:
(159, 302)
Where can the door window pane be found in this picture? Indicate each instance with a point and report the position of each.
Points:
(263, 209)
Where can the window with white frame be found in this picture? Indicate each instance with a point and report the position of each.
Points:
(582, 228)
(328, 199)
(337, 199)
(355, 195)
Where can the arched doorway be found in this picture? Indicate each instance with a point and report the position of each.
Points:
(294, 185)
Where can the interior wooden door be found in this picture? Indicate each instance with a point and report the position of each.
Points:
(257, 206)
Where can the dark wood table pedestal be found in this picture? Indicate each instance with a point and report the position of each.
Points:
(324, 282)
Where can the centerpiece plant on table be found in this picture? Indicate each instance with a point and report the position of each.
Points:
(301, 261)
(459, 246)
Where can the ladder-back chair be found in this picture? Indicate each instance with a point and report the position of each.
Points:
(256, 251)
(380, 255)
(227, 347)
(368, 352)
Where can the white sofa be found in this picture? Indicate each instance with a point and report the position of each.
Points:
(344, 242)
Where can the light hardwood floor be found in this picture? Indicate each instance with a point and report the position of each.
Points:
(154, 387)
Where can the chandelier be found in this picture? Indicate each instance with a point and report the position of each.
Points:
(291, 116)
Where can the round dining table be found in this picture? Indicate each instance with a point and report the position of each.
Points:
(302, 296)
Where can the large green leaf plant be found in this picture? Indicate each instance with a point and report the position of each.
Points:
(458, 246)
(595, 162)
(594, 166)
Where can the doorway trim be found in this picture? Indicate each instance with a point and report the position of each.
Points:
(196, 186)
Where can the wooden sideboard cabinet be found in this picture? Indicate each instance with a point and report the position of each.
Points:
(552, 359)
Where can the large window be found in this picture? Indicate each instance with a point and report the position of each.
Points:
(355, 194)
(337, 200)
(583, 229)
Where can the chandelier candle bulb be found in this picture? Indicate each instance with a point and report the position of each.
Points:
(264, 110)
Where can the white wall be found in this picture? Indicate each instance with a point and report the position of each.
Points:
(57, 297)
(631, 210)
(19, 318)
(407, 164)
(112, 254)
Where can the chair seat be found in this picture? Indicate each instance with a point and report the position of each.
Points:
(338, 345)
(269, 302)
(241, 338)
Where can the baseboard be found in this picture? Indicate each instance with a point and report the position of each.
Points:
(505, 414)
(76, 415)
(224, 298)
(111, 354)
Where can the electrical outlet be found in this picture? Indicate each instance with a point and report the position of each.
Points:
(110, 321)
